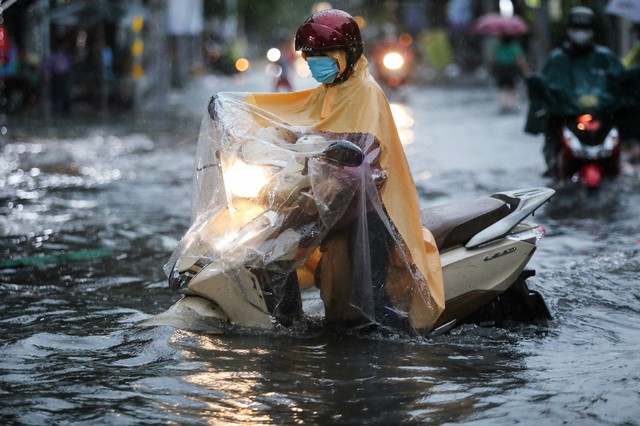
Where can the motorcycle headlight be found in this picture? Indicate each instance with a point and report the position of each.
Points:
(274, 54)
(245, 180)
(393, 61)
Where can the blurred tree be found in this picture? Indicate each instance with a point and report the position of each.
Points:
(215, 8)
(258, 22)
(261, 20)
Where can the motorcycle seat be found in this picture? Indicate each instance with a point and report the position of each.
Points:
(456, 223)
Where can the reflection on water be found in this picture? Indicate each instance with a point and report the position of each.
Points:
(319, 380)
(403, 116)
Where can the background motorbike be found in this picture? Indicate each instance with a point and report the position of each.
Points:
(393, 63)
(587, 125)
(590, 150)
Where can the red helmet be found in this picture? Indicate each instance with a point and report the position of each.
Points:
(331, 29)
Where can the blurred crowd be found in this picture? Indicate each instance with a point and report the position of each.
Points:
(89, 63)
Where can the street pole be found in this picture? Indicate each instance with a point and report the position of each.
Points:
(155, 100)
(542, 35)
(137, 53)
(102, 80)
(3, 96)
(46, 51)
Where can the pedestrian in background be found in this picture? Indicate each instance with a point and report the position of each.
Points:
(509, 67)
(57, 70)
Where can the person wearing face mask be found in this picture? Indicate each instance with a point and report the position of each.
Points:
(388, 239)
(581, 69)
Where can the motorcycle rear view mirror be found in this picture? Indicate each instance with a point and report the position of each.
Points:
(344, 153)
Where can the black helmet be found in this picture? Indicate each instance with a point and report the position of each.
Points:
(581, 16)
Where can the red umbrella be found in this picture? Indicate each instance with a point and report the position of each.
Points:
(496, 24)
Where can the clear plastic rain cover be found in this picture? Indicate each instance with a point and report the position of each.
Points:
(292, 206)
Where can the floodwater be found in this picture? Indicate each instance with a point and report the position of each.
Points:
(90, 213)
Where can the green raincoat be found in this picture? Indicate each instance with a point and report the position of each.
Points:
(574, 83)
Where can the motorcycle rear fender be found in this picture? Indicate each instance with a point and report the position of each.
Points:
(473, 278)
(490, 268)
(522, 202)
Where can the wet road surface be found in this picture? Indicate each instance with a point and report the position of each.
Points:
(90, 213)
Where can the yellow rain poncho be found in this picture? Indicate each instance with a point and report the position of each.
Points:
(300, 124)
(359, 105)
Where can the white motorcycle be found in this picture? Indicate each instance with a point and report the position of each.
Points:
(242, 262)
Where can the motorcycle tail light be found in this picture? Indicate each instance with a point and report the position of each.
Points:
(591, 175)
(589, 123)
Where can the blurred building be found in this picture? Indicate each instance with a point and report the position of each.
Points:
(126, 53)
(444, 27)
(130, 53)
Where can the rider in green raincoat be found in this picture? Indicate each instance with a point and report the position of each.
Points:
(579, 78)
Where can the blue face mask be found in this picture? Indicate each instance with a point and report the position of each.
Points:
(323, 68)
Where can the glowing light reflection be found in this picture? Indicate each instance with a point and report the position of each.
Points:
(506, 8)
(244, 180)
(403, 117)
(274, 54)
(243, 64)
(393, 61)
(426, 175)
(230, 395)
(273, 70)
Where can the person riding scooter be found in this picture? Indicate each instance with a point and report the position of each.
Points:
(580, 73)
(293, 190)
(382, 267)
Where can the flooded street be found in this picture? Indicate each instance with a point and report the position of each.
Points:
(91, 212)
